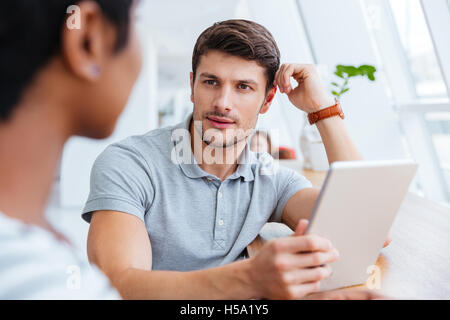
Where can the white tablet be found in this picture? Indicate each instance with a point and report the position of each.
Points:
(355, 210)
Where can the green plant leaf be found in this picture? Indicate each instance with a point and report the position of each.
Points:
(351, 71)
(345, 72)
(339, 74)
(368, 71)
(367, 68)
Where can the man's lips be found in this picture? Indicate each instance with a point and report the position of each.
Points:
(220, 123)
(219, 119)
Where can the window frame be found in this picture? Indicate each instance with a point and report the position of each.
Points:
(410, 108)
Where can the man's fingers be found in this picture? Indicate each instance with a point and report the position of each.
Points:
(301, 227)
(282, 77)
(306, 243)
(299, 276)
(279, 77)
(300, 291)
(294, 70)
(286, 76)
(288, 70)
(313, 259)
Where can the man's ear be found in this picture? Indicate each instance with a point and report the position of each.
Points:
(85, 50)
(269, 99)
(192, 86)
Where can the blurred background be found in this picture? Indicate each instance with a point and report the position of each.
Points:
(403, 111)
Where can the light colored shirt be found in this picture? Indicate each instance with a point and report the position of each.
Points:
(34, 264)
(194, 220)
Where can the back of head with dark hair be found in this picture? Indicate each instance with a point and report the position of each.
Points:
(243, 38)
(30, 35)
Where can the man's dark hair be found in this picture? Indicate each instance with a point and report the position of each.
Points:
(30, 35)
(243, 38)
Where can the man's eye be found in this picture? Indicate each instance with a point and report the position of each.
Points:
(210, 82)
(244, 87)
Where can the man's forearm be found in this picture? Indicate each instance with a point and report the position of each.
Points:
(231, 281)
(338, 144)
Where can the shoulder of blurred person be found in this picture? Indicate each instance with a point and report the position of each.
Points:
(34, 264)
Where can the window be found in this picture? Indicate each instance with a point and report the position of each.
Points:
(411, 38)
(438, 124)
(418, 48)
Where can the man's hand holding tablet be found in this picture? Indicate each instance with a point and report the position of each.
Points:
(292, 267)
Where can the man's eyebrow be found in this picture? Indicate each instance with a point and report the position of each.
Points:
(208, 75)
(249, 81)
(212, 76)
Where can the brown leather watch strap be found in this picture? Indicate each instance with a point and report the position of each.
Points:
(334, 110)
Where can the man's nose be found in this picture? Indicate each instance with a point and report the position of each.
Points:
(223, 100)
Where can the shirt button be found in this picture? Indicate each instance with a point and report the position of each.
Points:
(220, 195)
(220, 222)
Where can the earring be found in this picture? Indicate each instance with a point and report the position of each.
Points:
(96, 70)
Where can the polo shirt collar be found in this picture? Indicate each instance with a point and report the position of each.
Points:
(192, 170)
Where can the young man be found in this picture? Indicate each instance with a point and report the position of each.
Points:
(170, 222)
(55, 82)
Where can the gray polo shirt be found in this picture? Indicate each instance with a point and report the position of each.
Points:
(193, 219)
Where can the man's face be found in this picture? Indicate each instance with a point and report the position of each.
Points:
(228, 94)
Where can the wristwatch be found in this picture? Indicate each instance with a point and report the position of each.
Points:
(334, 110)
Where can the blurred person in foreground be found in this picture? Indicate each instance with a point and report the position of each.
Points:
(55, 82)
